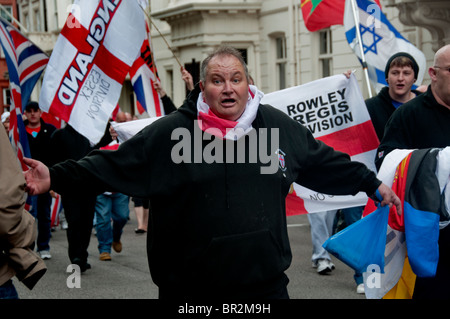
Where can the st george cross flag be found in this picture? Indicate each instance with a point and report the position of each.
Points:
(380, 40)
(143, 74)
(25, 63)
(92, 56)
(320, 14)
(333, 109)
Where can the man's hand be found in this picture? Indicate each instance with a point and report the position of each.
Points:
(37, 177)
(187, 78)
(388, 198)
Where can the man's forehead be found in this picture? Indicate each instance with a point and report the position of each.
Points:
(403, 67)
(225, 62)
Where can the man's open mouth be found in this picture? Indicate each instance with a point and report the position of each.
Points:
(228, 101)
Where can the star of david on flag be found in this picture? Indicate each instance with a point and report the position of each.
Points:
(380, 40)
(369, 36)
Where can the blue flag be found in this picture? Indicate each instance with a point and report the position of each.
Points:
(380, 40)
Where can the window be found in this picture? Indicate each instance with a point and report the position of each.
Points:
(325, 53)
(37, 21)
(6, 97)
(4, 14)
(281, 61)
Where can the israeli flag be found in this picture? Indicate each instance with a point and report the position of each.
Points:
(380, 40)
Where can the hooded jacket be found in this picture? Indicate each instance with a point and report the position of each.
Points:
(218, 226)
(380, 109)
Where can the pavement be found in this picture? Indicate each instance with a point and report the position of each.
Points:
(127, 275)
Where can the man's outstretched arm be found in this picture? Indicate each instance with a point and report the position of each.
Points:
(37, 177)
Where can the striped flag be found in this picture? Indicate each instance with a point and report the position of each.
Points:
(419, 178)
(92, 56)
(380, 40)
(143, 74)
(410, 241)
(25, 63)
(333, 109)
(55, 209)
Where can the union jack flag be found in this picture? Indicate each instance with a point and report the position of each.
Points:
(25, 63)
(143, 75)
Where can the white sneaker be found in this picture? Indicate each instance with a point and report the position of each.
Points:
(45, 254)
(324, 266)
(360, 289)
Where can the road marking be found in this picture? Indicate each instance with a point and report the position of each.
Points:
(297, 225)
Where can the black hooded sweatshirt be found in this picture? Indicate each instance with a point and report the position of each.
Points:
(216, 229)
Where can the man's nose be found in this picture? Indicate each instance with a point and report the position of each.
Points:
(228, 86)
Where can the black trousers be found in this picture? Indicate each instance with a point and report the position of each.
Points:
(79, 211)
(437, 287)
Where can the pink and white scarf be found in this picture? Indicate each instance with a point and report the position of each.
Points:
(226, 129)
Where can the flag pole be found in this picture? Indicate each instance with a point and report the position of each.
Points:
(162, 36)
(363, 58)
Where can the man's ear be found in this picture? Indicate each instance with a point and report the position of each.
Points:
(432, 73)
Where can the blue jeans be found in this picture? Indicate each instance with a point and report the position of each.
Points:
(110, 207)
(8, 291)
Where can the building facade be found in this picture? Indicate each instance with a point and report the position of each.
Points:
(279, 50)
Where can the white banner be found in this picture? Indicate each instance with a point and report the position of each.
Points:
(334, 110)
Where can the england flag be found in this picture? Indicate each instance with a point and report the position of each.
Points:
(92, 56)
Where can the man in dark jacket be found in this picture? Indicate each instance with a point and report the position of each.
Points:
(424, 122)
(217, 172)
(79, 206)
(39, 134)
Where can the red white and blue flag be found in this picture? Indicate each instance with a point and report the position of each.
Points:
(55, 209)
(143, 75)
(25, 63)
(92, 56)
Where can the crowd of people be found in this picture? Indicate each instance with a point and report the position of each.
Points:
(226, 234)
